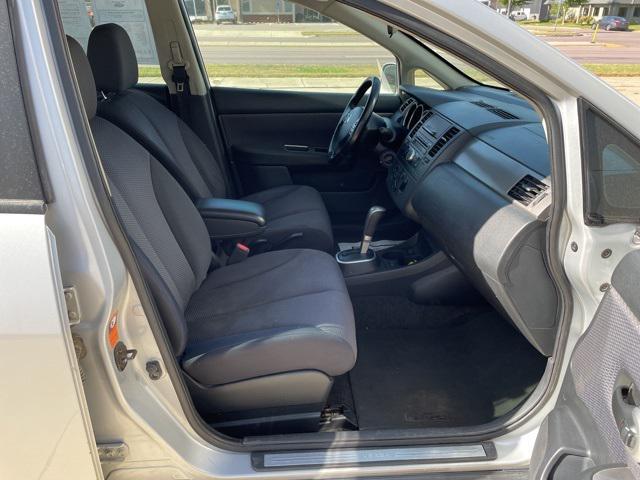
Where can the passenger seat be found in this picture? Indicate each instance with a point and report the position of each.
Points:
(296, 215)
(263, 337)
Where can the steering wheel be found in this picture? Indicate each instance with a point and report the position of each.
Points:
(354, 119)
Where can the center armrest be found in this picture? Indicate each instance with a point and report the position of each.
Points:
(232, 219)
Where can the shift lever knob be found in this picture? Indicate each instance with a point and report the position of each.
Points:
(371, 223)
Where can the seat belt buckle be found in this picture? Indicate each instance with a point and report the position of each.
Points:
(179, 87)
(240, 253)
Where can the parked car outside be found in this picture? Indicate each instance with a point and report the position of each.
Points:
(612, 23)
(518, 16)
(224, 13)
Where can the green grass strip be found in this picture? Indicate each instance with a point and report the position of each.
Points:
(353, 71)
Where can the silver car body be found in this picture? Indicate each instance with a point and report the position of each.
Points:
(50, 430)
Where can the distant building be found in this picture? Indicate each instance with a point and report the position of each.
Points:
(535, 9)
(601, 8)
(271, 11)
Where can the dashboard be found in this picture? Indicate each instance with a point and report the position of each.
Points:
(474, 171)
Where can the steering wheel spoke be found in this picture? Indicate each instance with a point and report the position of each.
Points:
(354, 120)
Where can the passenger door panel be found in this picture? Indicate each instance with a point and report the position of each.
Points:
(593, 429)
(281, 137)
(268, 128)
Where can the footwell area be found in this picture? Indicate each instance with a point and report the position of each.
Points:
(437, 366)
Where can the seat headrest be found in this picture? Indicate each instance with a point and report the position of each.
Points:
(84, 75)
(112, 58)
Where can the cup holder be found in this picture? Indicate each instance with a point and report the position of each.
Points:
(392, 256)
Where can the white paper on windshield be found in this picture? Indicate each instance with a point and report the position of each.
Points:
(75, 19)
(132, 16)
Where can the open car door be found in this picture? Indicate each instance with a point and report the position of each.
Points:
(592, 433)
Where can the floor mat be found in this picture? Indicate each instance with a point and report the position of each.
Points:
(435, 366)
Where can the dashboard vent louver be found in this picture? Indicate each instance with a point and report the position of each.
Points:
(496, 111)
(406, 104)
(527, 190)
(420, 123)
(444, 139)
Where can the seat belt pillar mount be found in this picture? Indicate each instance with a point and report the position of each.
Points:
(178, 67)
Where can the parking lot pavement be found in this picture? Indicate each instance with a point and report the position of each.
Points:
(292, 43)
(628, 86)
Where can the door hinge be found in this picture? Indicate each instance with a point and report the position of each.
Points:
(113, 452)
(73, 307)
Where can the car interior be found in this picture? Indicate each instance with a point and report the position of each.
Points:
(326, 262)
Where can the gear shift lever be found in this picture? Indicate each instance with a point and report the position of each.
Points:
(371, 223)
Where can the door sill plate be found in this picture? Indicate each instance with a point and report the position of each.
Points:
(371, 456)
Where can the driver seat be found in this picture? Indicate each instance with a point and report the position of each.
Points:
(296, 215)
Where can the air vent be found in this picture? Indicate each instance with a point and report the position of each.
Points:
(419, 125)
(414, 114)
(408, 114)
(406, 104)
(504, 114)
(527, 190)
(496, 111)
(482, 104)
(444, 139)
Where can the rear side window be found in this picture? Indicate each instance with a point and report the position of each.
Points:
(612, 174)
(80, 16)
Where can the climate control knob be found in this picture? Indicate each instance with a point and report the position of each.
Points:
(411, 155)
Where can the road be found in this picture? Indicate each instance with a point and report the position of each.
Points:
(332, 45)
(610, 47)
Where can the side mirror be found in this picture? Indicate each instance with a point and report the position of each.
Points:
(389, 77)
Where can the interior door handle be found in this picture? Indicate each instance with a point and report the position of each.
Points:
(297, 148)
(627, 414)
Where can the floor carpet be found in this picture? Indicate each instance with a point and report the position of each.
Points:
(437, 366)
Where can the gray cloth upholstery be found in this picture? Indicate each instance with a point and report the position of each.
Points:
(169, 139)
(112, 58)
(274, 313)
(295, 209)
(158, 217)
(291, 210)
(84, 75)
(303, 322)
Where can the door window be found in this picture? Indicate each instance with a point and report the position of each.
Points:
(612, 181)
(79, 17)
(278, 45)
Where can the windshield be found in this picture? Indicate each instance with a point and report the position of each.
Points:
(465, 68)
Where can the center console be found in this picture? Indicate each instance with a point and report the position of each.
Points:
(413, 268)
(421, 150)
(232, 219)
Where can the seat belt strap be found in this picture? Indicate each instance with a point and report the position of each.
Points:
(180, 78)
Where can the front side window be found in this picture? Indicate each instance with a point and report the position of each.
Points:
(279, 45)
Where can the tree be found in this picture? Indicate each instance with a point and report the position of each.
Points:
(511, 4)
(561, 7)
(573, 4)
(208, 11)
